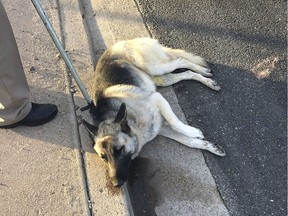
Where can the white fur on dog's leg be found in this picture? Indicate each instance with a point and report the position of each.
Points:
(213, 85)
(183, 63)
(171, 118)
(207, 74)
(207, 70)
(200, 78)
(189, 131)
(204, 145)
(197, 143)
(213, 148)
(210, 83)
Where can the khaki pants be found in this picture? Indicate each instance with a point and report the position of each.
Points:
(14, 90)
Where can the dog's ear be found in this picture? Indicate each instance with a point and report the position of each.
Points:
(121, 118)
(92, 130)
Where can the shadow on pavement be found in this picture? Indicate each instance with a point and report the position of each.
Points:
(248, 117)
(63, 122)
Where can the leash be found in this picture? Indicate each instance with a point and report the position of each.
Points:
(64, 55)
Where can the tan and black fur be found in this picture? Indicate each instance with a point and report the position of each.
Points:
(129, 110)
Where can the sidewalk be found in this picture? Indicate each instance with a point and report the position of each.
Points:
(40, 171)
(52, 169)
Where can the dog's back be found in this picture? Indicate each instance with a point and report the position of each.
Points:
(118, 78)
(112, 70)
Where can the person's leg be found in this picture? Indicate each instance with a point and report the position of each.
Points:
(14, 90)
(15, 107)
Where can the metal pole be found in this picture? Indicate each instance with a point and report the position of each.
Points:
(63, 54)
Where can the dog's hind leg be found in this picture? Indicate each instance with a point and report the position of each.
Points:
(168, 67)
(178, 53)
(171, 78)
(164, 107)
(197, 143)
(191, 61)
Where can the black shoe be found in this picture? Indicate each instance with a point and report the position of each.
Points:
(38, 115)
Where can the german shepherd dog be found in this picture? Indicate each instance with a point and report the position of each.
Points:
(130, 112)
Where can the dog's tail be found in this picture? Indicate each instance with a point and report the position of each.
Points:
(177, 53)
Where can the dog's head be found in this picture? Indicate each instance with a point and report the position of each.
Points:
(115, 144)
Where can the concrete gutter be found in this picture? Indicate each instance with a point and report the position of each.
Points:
(53, 169)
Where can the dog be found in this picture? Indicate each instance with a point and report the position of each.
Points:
(130, 112)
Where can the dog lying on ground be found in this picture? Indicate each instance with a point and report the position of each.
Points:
(130, 112)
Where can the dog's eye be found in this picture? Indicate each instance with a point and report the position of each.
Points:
(117, 152)
(104, 157)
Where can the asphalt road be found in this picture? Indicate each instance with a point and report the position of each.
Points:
(245, 43)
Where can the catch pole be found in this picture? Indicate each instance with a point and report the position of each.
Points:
(63, 54)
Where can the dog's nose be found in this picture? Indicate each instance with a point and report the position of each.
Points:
(117, 182)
